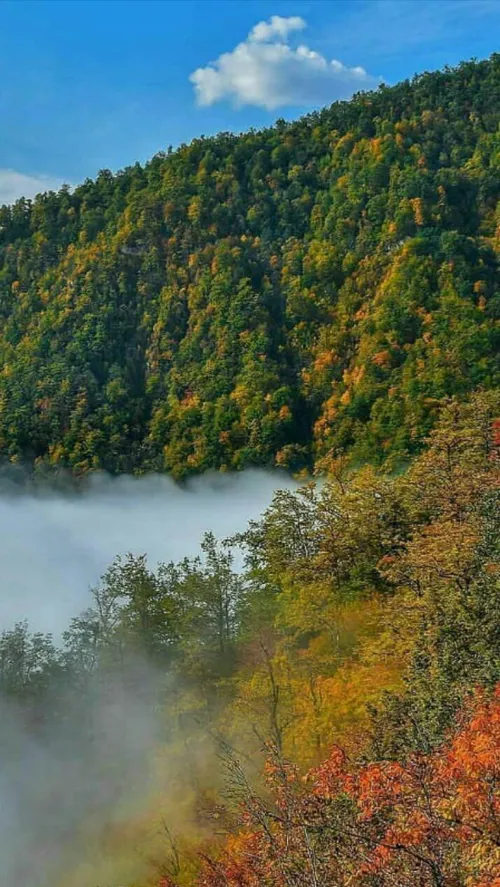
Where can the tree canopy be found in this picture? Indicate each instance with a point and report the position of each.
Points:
(280, 297)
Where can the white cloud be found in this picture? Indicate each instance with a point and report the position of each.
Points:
(14, 185)
(266, 71)
(277, 26)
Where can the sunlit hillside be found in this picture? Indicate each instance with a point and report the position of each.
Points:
(285, 678)
(276, 298)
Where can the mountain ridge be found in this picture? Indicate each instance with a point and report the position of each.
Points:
(281, 297)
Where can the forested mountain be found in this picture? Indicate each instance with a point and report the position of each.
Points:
(323, 294)
(279, 297)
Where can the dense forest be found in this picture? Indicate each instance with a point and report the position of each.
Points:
(355, 660)
(282, 297)
(323, 297)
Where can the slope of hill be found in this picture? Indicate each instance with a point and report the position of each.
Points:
(357, 652)
(279, 297)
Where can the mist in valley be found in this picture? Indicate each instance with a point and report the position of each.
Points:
(65, 779)
(55, 546)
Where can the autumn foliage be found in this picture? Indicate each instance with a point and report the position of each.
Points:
(358, 647)
(279, 297)
(431, 820)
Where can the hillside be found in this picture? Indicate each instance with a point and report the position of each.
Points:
(355, 660)
(279, 297)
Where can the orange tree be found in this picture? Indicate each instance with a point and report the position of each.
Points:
(432, 820)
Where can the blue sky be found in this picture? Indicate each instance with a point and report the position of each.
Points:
(92, 84)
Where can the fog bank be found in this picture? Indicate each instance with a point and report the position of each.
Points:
(71, 774)
(54, 547)
(62, 784)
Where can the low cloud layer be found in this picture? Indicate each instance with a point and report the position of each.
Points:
(266, 71)
(14, 185)
(69, 781)
(53, 548)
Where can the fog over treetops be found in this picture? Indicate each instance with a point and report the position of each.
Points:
(56, 546)
(73, 769)
(319, 297)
